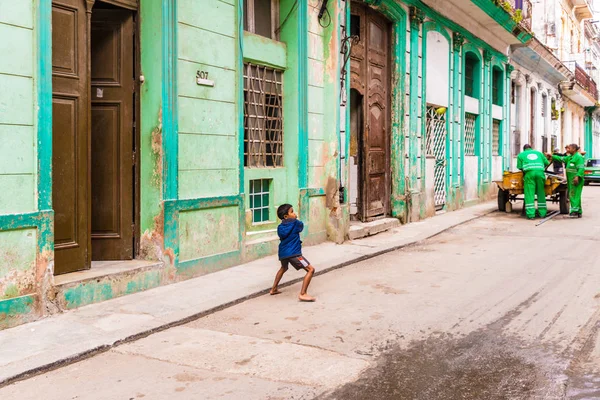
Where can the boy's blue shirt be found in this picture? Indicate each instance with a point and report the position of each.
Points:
(289, 234)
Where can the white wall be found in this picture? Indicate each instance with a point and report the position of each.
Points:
(471, 105)
(438, 69)
(471, 177)
(497, 168)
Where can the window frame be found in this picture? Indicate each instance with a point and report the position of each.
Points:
(471, 60)
(250, 18)
(254, 194)
(253, 159)
(497, 86)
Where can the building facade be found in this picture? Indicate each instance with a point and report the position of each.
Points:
(146, 142)
(567, 28)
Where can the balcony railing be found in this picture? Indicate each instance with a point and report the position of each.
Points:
(582, 78)
(524, 9)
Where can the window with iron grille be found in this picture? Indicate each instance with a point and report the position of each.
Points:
(553, 142)
(470, 125)
(435, 125)
(545, 144)
(263, 116)
(544, 104)
(260, 200)
(517, 142)
(496, 137)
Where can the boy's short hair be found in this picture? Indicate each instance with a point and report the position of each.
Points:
(282, 210)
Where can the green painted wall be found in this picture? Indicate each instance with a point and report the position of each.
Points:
(323, 107)
(151, 118)
(207, 39)
(17, 262)
(18, 159)
(207, 232)
(18, 164)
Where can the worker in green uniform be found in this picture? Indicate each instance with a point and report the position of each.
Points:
(533, 164)
(575, 166)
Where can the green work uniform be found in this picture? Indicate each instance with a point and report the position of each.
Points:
(575, 167)
(533, 164)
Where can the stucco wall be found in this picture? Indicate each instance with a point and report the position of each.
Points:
(17, 107)
(471, 178)
(18, 164)
(438, 69)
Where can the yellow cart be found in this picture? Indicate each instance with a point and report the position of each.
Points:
(511, 187)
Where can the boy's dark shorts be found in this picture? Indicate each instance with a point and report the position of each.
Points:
(298, 262)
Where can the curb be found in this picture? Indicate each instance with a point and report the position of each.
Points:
(106, 347)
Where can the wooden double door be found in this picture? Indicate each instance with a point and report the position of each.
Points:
(370, 105)
(93, 127)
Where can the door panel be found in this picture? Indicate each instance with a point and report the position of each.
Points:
(376, 145)
(112, 49)
(70, 127)
(370, 76)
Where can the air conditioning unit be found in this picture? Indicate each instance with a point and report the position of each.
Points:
(550, 29)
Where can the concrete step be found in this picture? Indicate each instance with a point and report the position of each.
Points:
(363, 229)
(107, 280)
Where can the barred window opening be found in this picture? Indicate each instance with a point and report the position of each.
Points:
(470, 125)
(496, 137)
(436, 128)
(263, 116)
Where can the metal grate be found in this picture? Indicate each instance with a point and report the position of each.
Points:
(470, 124)
(436, 147)
(496, 137)
(544, 104)
(545, 144)
(553, 142)
(516, 142)
(263, 116)
(259, 200)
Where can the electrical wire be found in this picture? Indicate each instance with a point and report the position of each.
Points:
(328, 19)
(287, 17)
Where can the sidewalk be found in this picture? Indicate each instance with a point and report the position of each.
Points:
(73, 335)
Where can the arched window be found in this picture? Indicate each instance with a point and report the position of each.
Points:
(497, 86)
(472, 75)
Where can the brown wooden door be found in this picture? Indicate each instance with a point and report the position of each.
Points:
(376, 166)
(70, 132)
(112, 143)
(370, 75)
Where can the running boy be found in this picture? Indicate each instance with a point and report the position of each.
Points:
(290, 250)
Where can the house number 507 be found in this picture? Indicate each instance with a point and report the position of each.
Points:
(202, 79)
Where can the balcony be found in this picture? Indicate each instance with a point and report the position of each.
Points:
(496, 22)
(582, 88)
(582, 78)
(582, 9)
(522, 12)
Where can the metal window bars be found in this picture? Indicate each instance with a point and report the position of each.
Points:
(436, 147)
(263, 116)
(436, 125)
(496, 137)
(470, 124)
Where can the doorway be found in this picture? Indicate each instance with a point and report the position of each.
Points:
(370, 111)
(94, 139)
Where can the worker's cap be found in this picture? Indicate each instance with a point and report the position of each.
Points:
(556, 149)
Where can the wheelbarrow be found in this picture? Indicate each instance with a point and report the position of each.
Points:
(510, 188)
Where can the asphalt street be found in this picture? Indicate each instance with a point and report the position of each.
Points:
(497, 308)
